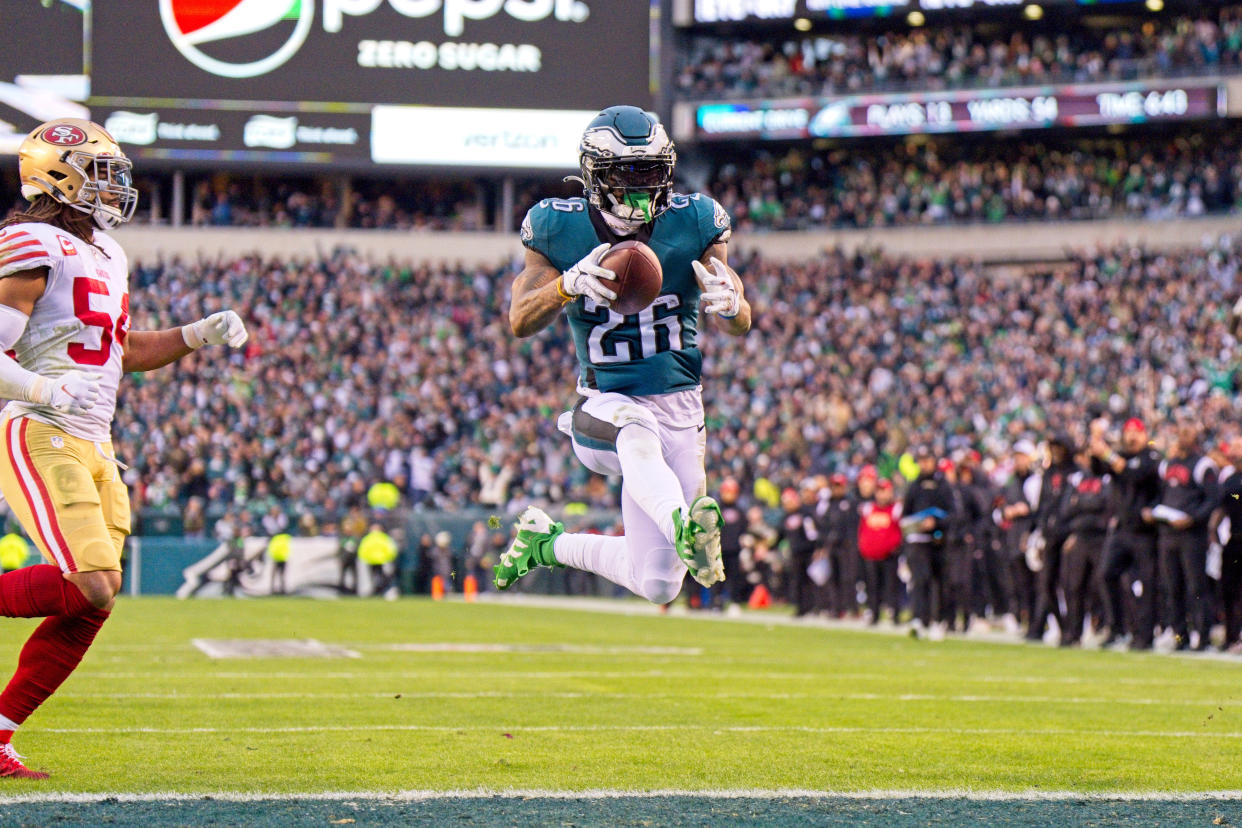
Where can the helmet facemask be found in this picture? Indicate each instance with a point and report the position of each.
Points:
(633, 189)
(107, 193)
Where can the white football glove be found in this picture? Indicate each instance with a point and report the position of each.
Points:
(73, 393)
(222, 328)
(583, 279)
(719, 291)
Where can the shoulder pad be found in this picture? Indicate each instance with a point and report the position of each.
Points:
(536, 226)
(21, 249)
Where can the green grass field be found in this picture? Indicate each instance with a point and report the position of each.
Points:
(565, 709)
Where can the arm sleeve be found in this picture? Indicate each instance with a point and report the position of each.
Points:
(16, 383)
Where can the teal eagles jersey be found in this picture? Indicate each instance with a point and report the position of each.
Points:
(653, 351)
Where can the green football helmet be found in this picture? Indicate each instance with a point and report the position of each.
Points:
(627, 160)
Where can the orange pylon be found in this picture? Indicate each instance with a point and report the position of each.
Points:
(760, 598)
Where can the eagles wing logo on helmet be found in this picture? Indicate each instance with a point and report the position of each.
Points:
(77, 163)
(627, 161)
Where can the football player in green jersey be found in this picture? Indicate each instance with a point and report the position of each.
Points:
(641, 410)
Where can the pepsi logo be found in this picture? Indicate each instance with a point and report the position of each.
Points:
(237, 38)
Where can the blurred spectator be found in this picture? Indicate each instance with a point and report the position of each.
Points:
(1085, 517)
(953, 180)
(840, 531)
(879, 539)
(1130, 557)
(926, 513)
(1050, 528)
(378, 550)
(800, 537)
(442, 559)
(1188, 495)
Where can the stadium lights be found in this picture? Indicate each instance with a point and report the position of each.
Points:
(1033, 12)
(1155, 5)
(916, 18)
(802, 24)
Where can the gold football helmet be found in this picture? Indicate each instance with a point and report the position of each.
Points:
(79, 164)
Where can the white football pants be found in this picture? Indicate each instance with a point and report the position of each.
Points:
(662, 471)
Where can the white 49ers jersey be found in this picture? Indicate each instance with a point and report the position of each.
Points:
(79, 323)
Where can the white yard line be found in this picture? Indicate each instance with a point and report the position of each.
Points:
(825, 696)
(749, 676)
(599, 794)
(660, 728)
(529, 649)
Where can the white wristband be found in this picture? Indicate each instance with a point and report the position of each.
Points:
(189, 333)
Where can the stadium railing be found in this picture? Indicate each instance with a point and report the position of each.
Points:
(1041, 241)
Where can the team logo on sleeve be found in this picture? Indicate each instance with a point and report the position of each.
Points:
(66, 246)
(720, 216)
(527, 232)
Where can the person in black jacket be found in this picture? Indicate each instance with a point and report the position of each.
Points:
(989, 596)
(1131, 548)
(1015, 517)
(840, 529)
(1188, 496)
(926, 511)
(1229, 507)
(963, 544)
(799, 532)
(735, 589)
(1048, 523)
(1085, 517)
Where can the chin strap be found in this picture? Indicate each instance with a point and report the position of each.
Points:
(620, 226)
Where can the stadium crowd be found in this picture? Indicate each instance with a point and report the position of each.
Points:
(950, 181)
(360, 371)
(891, 183)
(420, 206)
(951, 57)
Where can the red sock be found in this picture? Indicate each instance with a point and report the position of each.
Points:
(50, 655)
(38, 591)
(6, 736)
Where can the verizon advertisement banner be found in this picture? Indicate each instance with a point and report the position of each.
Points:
(527, 53)
(965, 111)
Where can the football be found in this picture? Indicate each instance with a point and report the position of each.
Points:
(639, 276)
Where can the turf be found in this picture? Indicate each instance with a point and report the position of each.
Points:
(595, 700)
(780, 811)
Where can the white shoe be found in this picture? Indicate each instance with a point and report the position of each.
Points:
(1010, 622)
(697, 540)
(936, 632)
(979, 626)
(1052, 635)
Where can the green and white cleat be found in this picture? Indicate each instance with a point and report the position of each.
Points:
(531, 547)
(698, 540)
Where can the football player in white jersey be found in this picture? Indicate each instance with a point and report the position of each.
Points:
(64, 323)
